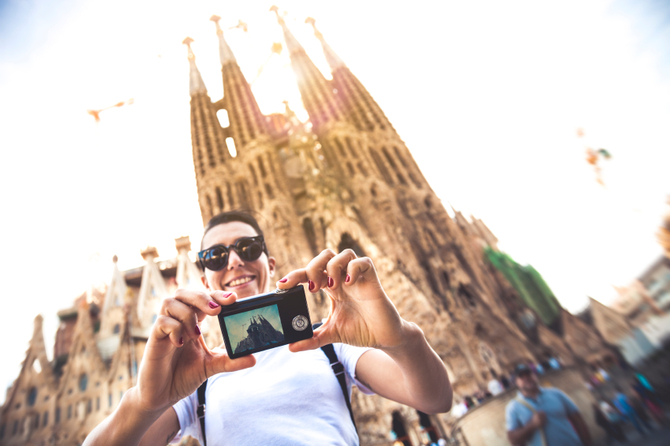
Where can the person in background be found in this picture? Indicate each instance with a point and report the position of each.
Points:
(608, 420)
(495, 388)
(625, 407)
(543, 416)
(649, 400)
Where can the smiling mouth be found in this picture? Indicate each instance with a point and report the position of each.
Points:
(240, 281)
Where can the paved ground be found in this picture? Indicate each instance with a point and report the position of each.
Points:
(660, 436)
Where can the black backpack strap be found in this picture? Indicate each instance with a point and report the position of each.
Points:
(335, 364)
(338, 369)
(201, 410)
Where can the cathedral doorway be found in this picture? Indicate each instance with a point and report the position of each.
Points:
(398, 426)
(429, 433)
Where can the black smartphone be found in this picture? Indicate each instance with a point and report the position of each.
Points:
(265, 321)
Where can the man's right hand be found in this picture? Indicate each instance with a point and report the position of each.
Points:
(538, 420)
(176, 359)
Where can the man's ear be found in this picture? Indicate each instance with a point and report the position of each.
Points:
(204, 281)
(271, 264)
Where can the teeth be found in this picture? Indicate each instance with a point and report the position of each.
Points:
(241, 281)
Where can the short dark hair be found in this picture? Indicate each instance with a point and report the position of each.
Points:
(230, 216)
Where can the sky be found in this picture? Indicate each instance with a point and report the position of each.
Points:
(487, 95)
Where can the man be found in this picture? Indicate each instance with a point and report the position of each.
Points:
(541, 416)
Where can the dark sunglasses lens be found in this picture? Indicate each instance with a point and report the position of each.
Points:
(216, 258)
(249, 250)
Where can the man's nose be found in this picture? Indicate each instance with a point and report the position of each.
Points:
(234, 259)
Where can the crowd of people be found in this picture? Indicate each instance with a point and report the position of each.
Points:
(638, 407)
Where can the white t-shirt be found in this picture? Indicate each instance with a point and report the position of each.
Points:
(285, 399)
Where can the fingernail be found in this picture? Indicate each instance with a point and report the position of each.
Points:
(331, 282)
(347, 279)
(284, 280)
(227, 295)
(197, 330)
(181, 341)
(311, 285)
(212, 304)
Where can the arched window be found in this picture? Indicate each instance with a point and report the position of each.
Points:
(83, 382)
(253, 174)
(381, 167)
(308, 227)
(351, 148)
(229, 191)
(219, 199)
(465, 294)
(117, 328)
(209, 205)
(32, 396)
(340, 147)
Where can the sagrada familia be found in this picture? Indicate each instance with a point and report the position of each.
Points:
(344, 179)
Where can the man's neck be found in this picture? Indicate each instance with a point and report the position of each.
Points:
(530, 393)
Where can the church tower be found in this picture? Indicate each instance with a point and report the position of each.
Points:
(347, 180)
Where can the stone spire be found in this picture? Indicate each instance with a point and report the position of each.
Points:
(319, 98)
(291, 42)
(114, 297)
(333, 59)
(152, 290)
(247, 122)
(358, 105)
(225, 53)
(196, 84)
(209, 147)
(188, 275)
(113, 317)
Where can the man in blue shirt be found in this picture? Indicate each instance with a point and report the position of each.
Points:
(543, 416)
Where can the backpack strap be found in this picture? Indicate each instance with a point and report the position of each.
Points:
(201, 410)
(338, 369)
(528, 406)
(335, 364)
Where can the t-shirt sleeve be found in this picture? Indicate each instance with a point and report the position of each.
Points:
(186, 410)
(349, 356)
(512, 421)
(570, 406)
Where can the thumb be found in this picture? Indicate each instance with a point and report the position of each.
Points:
(220, 362)
(322, 336)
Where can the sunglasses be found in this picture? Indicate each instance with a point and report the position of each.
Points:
(248, 249)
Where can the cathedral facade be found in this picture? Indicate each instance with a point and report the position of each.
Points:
(344, 179)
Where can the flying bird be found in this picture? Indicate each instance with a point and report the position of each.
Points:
(96, 113)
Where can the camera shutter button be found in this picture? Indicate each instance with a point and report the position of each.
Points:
(300, 323)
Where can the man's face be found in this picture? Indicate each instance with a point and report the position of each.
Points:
(244, 278)
(526, 382)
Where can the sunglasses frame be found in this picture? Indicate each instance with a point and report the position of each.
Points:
(234, 246)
